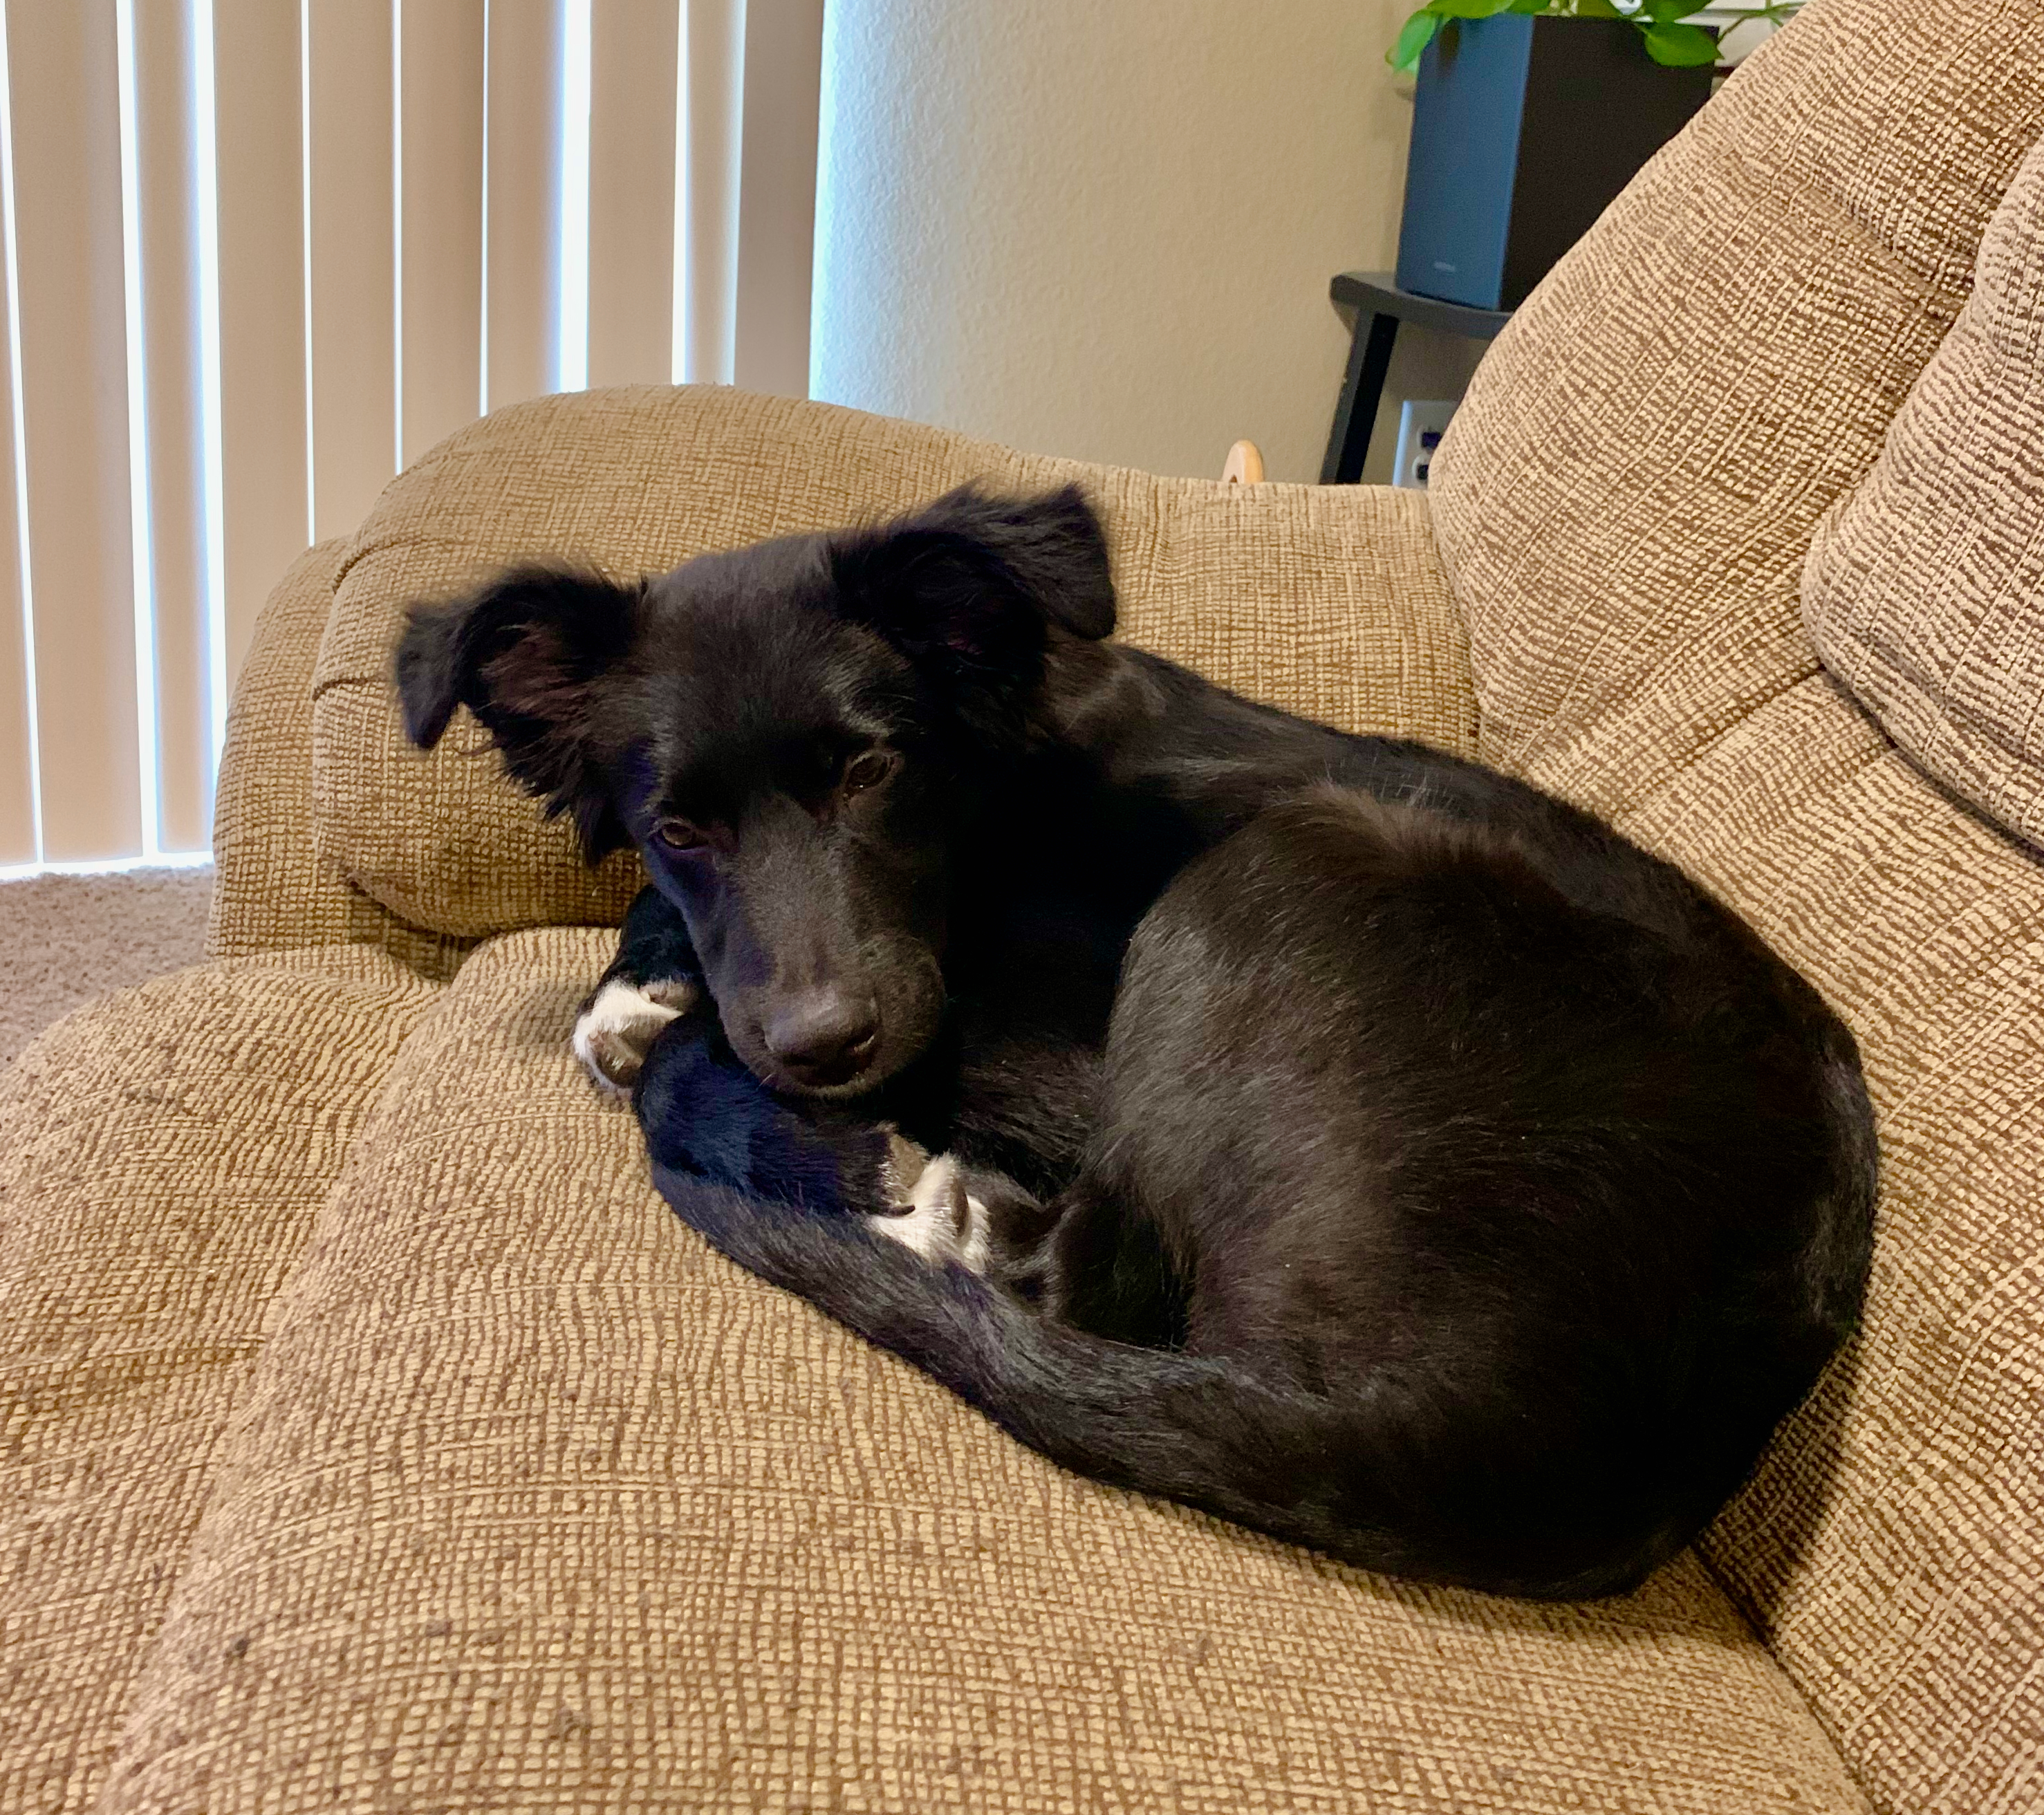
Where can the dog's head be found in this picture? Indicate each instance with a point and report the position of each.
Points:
(792, 735)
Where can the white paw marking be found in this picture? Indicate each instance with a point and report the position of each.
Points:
(614, 1033)
(942, 1222)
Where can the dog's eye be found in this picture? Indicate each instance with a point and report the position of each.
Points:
(678, 835)
(868, 770)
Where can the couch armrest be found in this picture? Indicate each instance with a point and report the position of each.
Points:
(271, 890)
(1329, 600)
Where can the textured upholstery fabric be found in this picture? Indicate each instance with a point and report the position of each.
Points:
(162, 1153)
(1924, 590)
(272, 891)
(533, 1501)
(1891, 1547)
(1624, 503)
(1633, 480)
(1331, 602)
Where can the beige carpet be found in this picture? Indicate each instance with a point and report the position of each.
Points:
(65, 939)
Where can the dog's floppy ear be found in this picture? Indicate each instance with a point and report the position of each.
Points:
(975, 578)
(523, 655)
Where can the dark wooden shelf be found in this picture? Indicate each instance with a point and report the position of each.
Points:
(1375, 292)
(1380, 305)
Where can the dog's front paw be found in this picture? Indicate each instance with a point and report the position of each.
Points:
(933, 1214)
(619, 1022)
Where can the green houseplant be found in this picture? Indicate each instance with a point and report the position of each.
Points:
(1661, 25)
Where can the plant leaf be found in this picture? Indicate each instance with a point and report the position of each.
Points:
(1666, 12)
(1468, 9)
(1595, 9)
(1680, 46)
(1418, 33)
(1533, 7)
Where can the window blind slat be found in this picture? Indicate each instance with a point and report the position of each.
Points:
(634, 68)
(64, 99)
(716, 38)
(331, 233)
(354, 315)
(165, 125)
(266, 512)
(776, 202)
(524, 133)
(17, 812)
(441, 145)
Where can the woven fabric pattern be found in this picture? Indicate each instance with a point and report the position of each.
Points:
(1924, 590)
(272, 890)
(1892, 1547)
(162, 1153)
(1624, 503)
(1630, 488)
(536, 1502)
(1331, 602)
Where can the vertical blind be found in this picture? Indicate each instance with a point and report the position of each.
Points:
(262, 253)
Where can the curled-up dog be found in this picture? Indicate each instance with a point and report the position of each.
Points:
(1322, 1130)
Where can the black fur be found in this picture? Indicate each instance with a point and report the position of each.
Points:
(1384, 1154)
(526, 657)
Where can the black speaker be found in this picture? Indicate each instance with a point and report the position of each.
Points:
(1524, 128)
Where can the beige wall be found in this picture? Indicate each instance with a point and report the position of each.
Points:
(1104, 227)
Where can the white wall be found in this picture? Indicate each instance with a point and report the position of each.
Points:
(1104, 227)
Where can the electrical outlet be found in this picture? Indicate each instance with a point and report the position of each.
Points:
(1420, 427)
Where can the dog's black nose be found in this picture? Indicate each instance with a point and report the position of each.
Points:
(822, 1037)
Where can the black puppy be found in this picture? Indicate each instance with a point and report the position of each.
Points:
(1337, 1136)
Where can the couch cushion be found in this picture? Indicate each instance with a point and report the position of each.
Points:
(162, 1153)
(1624, 502)
(1632, 483)
(1924, 589)
(1331, 603)
(536, 1500)
(1891, 1544)
(272, 890)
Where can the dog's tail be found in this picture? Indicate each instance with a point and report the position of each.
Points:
(1332, 1476)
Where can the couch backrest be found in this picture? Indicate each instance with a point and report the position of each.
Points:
(1924, 589)
(1625, 502)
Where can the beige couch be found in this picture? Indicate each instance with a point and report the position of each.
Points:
(373, 1438)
